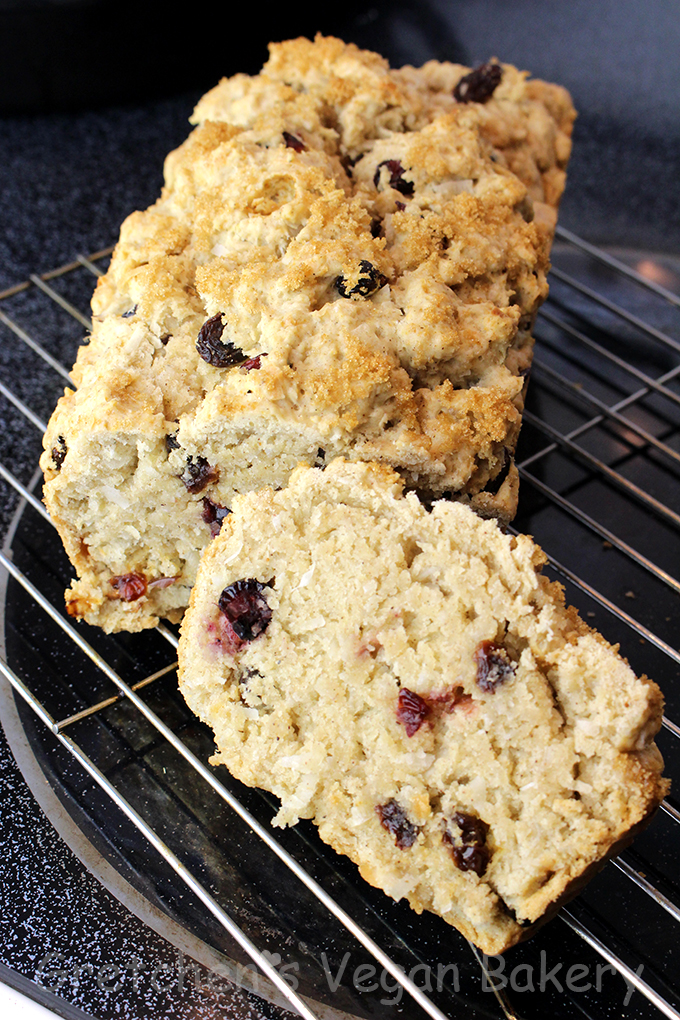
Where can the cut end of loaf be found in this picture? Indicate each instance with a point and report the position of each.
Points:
(419, 689)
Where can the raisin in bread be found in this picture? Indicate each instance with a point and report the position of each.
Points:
(345, 260)
(412, 683)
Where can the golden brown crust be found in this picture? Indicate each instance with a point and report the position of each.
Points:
(367, 243)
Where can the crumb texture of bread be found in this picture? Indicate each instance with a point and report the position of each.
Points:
(411, 682)
(345, 260)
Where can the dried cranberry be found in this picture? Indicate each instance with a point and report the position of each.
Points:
(451, 699)
(472, 828)
(211, 348)
(471, 858)
(480, 84)
(396, 178)
(293, 142)
(130, 587)
(246, 608)
(366, 285)
(226, 637)
(59, 452)
(472, 853)
(255, 362)
(393, 818)
(213, 514)
(494, 665)
(198, 473)
(411, 711)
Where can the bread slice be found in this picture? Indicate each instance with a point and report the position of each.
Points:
(411, 682)
(346, 260)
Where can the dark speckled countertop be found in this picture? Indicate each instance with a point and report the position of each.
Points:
(75, 159)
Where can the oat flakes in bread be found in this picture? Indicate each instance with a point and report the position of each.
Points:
(412, 683)
(345, 260)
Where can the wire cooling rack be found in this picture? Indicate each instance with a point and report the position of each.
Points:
(599, 460)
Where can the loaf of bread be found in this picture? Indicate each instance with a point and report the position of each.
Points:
(345, 260)
(409, 680)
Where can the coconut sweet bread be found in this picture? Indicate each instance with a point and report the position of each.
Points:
(411, 682)
(345, 260)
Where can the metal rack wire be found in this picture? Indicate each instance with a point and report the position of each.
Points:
(599, 461)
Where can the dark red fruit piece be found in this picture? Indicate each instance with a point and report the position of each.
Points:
(246, 608)
(411, 711)
(211, 348)
(471, 858)
(226, 637)
(472, 828)
(396, 179)
(255, 362)
(130, 587)
(480, 84)
(451, 699)
(198, 473)
(473, 854)
(494, 665)
(393, 818)
(213, 514)
(293, 142)
(59, 452)
(366, 285)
